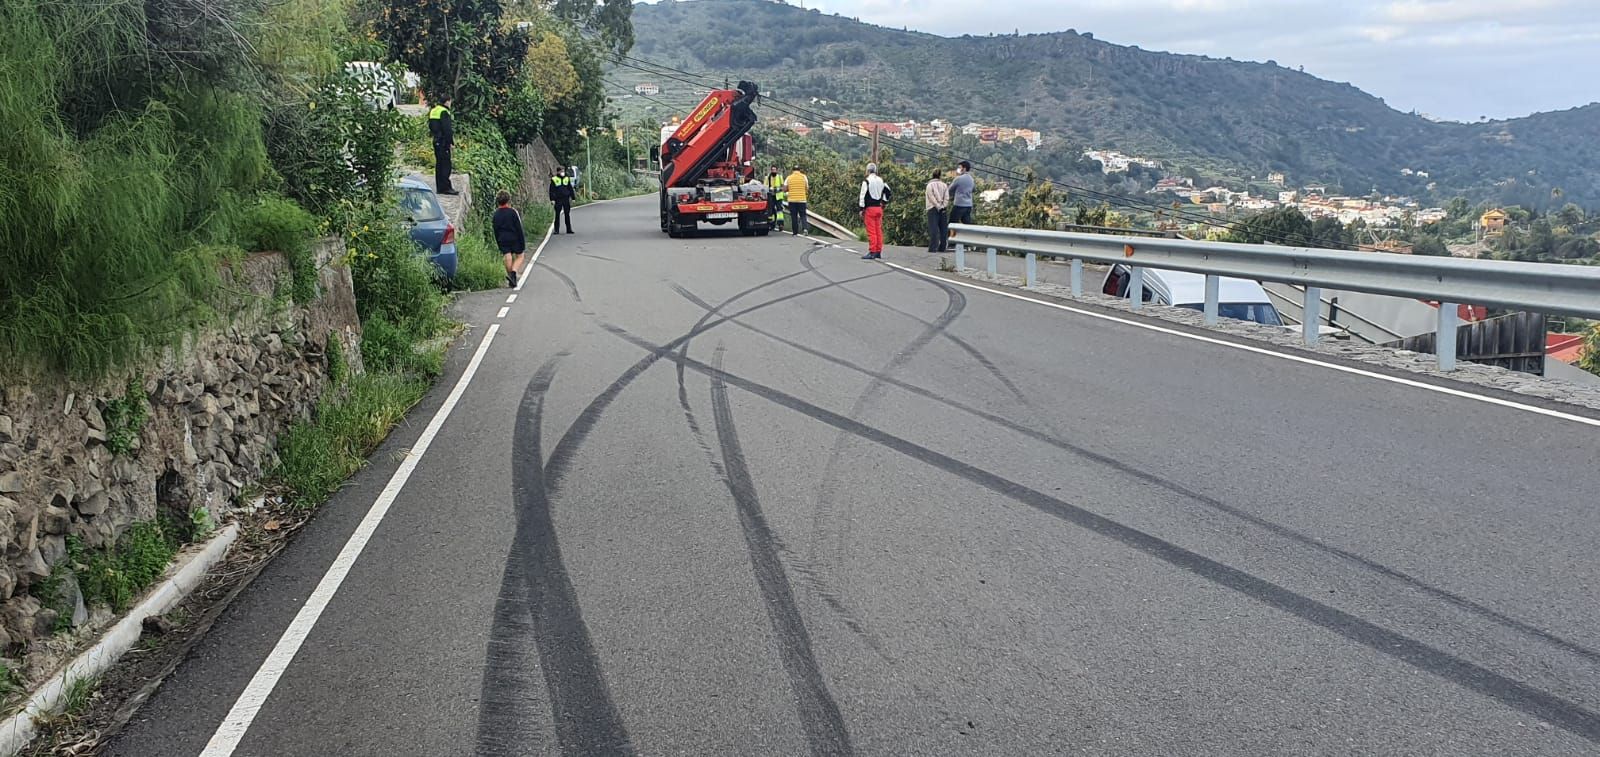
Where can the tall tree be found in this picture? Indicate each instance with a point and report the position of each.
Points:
(460, 48)
(1280, 226)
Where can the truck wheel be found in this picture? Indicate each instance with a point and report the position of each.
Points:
(762, 232)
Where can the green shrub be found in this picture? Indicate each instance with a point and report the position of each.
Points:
(114, 576)
(482, 152)
(276, 224)
(338, 366)
(120, 189)
(390, 348)
(125, 418)
(334, 150)
(393, 281)
(481, 266)
(48, 591)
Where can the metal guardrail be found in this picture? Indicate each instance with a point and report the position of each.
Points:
(1539, 287)
(838, 230)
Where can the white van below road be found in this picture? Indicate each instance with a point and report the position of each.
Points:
(373, 83)
(1239, 299)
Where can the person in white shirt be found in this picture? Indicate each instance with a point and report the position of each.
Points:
(874, 196)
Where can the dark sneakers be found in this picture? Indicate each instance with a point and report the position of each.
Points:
(872, 256)
(511, 279)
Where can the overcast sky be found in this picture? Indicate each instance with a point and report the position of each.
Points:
(1458, 59)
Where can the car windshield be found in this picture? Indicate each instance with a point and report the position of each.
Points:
(420, 205)
(1259, 312)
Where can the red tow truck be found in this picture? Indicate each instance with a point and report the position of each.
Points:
(707, 173)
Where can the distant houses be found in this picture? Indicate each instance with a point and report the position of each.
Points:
(1112, 161)
(935, 132)
(648, 89)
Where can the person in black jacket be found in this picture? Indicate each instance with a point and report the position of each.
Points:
(508, 235)
(561, 194)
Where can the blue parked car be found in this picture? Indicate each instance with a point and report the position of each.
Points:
(426, 221)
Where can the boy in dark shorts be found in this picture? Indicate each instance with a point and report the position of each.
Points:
(508, 235)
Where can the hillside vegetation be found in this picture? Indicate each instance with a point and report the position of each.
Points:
(1222, 117)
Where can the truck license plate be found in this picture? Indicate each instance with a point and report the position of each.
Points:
(722, 215)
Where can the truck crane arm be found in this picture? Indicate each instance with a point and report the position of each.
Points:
(707, 136)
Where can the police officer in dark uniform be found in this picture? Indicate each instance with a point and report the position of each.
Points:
(561, 194)
(442, 127)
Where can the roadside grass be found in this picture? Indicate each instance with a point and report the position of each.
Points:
(79, 695)
(402, 320)
(480, 265)
(316, 456)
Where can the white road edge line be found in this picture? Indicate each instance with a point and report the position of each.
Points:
(233, 728)
(1263, 351)
(503, 311)
(527, 267)
(510, 299)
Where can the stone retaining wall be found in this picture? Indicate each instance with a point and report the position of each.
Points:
(216, 408)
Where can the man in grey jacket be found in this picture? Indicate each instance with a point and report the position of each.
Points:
(961, 189)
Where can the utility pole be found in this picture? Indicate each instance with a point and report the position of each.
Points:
(874, 143)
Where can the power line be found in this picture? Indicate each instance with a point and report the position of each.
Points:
(796, 111)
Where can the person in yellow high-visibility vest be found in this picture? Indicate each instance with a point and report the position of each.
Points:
(780, 214)
(799, 188)
(441, 126)
(561, 194)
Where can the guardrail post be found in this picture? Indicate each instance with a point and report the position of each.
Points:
(1077, 277)
(1311, 315)
(1136, 288)
(961, 257)
(1444, 340)
(1213, 284)
(992, 269)
(1033, 270)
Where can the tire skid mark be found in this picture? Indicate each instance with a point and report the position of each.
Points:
(826, 525)
(508, 705)
(1205, 500)
(819, 714)
(965, 346)
(807, 573)
(586, 720)
(567, 448)
(572, 286)
(1556, 710)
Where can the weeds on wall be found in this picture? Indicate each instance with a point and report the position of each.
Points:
(125, 417)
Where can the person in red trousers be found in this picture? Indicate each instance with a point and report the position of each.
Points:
(874, 196)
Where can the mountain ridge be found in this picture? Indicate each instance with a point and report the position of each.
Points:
(1222, 116)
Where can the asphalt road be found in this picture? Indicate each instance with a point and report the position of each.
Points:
(756, 496)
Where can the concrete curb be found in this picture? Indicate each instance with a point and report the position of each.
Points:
(19, 729)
